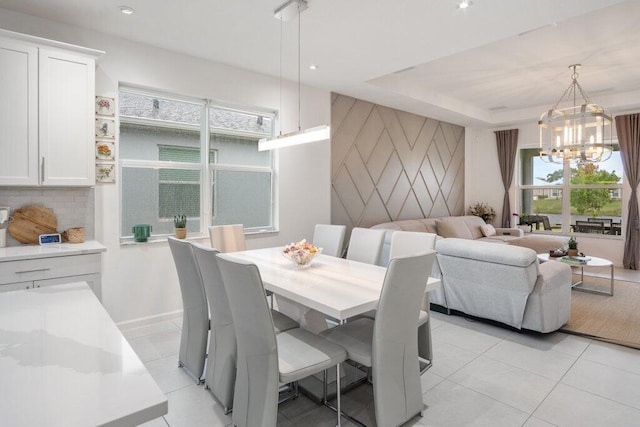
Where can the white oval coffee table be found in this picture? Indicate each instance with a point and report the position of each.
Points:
(592, 262)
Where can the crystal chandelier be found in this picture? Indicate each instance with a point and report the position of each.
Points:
(581, 132)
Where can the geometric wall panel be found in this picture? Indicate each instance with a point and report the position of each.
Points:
(389, 165)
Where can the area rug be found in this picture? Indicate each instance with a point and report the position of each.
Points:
(613, 319)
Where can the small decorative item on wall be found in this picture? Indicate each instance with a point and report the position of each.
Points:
(105, 128)
(105, 106)
(106, 172)
(105, 150)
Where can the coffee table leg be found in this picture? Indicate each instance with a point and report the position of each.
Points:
(577, 284)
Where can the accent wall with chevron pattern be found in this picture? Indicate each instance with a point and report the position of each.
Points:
(389, 165)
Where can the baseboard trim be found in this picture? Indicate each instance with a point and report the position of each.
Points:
(145, 321)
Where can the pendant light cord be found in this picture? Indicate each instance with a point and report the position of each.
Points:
(281, 77)
(299, 90)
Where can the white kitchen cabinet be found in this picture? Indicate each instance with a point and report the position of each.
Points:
(27, 267)
(47, 110)
(18, 114)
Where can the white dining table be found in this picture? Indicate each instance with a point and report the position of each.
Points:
(337, 287)
(64, 362)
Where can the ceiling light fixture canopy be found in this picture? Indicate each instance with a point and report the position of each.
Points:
(127, 10)
(286, 12)
(464, 4)
(581, 132)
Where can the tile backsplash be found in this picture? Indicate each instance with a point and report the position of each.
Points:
(74, 207)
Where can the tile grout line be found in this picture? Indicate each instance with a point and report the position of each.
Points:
(559, 382)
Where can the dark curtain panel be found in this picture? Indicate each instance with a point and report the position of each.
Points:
(507, 142)
(628, 128)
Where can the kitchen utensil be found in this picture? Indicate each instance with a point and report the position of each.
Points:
(141, 232)
(29, 222)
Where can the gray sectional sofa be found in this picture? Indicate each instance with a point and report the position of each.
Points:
(505, 284)
(469, 227)
(502, 282)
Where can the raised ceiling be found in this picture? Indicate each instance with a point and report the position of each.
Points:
(496, 63)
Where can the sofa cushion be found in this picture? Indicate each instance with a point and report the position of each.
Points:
(487, 230)
(473, 224)
(479, 250)
(540, 244)
(498, 238)
(453, 229)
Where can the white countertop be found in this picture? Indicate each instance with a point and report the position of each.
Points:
(16, 253)
(63, 362)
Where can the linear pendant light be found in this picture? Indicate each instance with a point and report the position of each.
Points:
(286, 12)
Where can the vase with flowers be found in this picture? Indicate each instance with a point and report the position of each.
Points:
(301, 253)
(483, 210)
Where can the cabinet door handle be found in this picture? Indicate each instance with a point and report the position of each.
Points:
(42, 168)
(33, 271)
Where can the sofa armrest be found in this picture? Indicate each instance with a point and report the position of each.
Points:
(509, 232)
(555, 274)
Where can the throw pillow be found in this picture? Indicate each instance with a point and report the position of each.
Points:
(488, 230)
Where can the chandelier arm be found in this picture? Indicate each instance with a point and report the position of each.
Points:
(583, 93)
(566, 94)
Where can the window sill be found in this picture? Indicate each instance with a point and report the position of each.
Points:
(129, 242)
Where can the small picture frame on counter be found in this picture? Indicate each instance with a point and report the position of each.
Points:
(105, 150)
(105, 128)
(105, 106)
(105, 173)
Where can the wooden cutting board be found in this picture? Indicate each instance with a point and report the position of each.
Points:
(29, 222)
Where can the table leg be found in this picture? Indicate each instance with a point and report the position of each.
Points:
(577, 284)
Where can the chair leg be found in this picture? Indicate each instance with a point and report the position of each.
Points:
(324, 387)
(337, 393)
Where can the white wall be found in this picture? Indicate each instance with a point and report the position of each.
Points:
(483, 183)
(139, 281)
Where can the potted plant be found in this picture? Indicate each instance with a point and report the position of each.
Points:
(573, 247)
(180, 223)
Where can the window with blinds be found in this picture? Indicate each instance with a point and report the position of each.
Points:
(169, 166)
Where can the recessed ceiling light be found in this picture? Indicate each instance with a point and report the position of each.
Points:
(464, 4)
(313, 67)
(126, 10)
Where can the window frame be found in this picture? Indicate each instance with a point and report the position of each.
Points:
(205, 168)
(565, 189)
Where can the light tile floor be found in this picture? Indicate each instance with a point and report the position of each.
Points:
(482, 375)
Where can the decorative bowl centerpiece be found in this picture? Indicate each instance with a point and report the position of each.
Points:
(301, 253)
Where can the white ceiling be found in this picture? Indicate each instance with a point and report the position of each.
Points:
(498, 62)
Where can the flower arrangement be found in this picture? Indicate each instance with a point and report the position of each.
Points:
(483, 210)
(301, 253)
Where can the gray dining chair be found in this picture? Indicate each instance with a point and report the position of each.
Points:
(220, 373)
(230, 238)
(227, 238)
(407, 243)
(195, 313)
(265, 359)
(365, 245)
(388, 345)
(330, 238)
